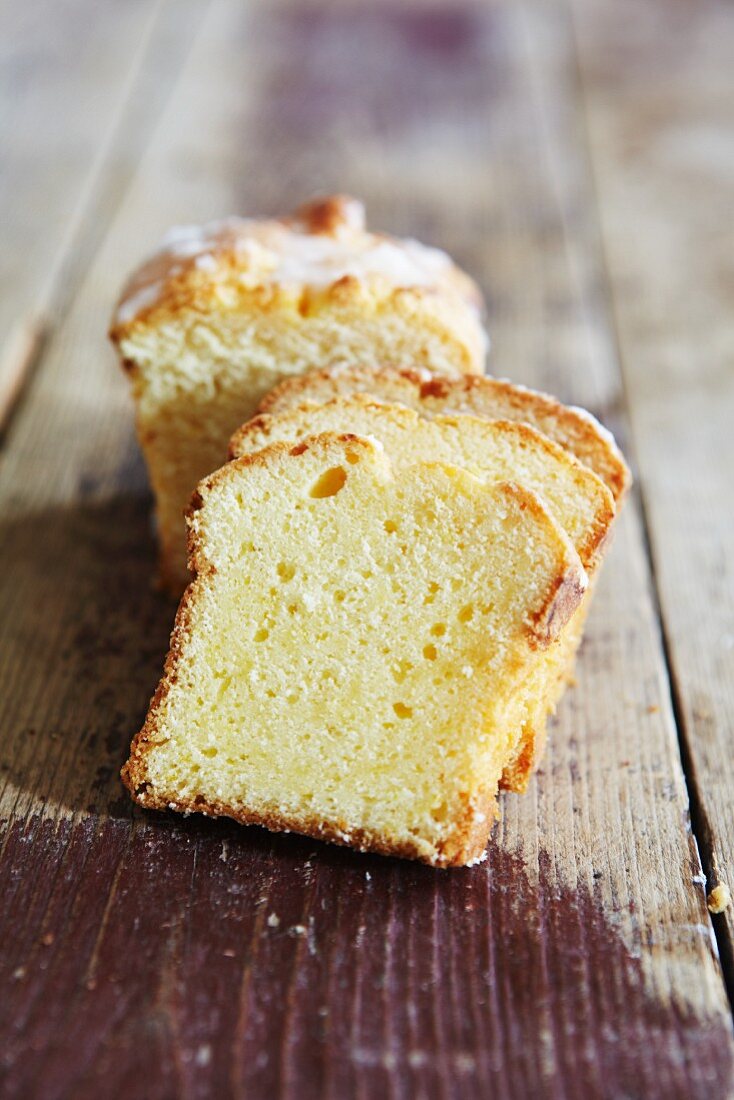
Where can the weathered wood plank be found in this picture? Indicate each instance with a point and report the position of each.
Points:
(579, 961)
(70, 135)
(663, 154)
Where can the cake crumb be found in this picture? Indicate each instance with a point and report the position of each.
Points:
(273, 920)
(223, 855)
(719, 898)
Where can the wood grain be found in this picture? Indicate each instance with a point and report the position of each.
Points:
(168, 957)
(80, 86)
(663, 154)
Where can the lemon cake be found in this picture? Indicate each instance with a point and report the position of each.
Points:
(491, 398)
(348, 659)
(223, 312)
(494, 449)
(576, 497)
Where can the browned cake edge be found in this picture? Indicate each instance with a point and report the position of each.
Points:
(578, 430)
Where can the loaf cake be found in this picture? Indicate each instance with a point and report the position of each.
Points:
(490, 398)
(224, 311)
(495, 450)
(351, 657)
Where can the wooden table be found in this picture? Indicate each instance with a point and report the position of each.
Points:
(577, 156)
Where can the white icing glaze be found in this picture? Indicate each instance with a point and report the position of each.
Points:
(287, 254)
(131, 305)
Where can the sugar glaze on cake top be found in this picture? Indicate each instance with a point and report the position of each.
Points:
(318, 246)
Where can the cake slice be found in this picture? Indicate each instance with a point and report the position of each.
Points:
(224, 311)
(497, 449)
(574, 495)
(349, 659)
(490, 398)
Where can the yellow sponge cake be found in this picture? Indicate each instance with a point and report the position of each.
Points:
(348, 660)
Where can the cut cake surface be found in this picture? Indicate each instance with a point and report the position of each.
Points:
(347, 661)
(500, 450)
(574, 495)
(491, 398)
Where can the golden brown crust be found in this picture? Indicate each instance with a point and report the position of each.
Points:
(578, 430)
(330, 215)
(567, 589)
(466, 844)
(235, 264)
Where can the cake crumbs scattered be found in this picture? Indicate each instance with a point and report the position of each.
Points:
(273, 921)
(719, 898)
(225, 852)
(203, 1055)
(297, 930)
(19, 973)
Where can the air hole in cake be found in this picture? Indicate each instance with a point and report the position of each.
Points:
(330, 482)
(262, 634)
(352, 458)
(292, 608)
(402, 710)
(440, 813)
(286, 572)
(339, 596)
(430, 652)
(438, 630)
(390, 526)
(466, 614)
(210, 752)
(433, 588)
(401, 670)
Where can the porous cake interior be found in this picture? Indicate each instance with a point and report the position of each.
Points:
(494, 449)
(345, 662)
(576, 497)
(196, 377)
(477, 395)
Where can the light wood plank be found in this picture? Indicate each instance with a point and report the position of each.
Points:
(70, 137)
(579, 961)
(659, 93)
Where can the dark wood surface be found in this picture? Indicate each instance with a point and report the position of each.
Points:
(150, 956)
